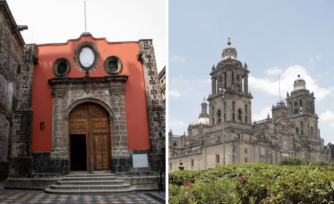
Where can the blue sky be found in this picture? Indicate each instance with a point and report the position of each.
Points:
(297, 36)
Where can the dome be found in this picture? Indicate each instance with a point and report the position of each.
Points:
(299, 84)
(201, 120)
(229, 51)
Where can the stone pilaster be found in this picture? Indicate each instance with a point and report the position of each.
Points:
(155, 105)
(21, 148)
(246, 84)
(213, 79)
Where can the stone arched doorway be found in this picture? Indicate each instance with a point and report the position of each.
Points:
(89, 138)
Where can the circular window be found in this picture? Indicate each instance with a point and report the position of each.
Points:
(174, 144)
(61, 67)
(113, 65)
(86, 57)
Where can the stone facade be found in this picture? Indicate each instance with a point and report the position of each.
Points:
(292, 131)
(162, 79)
(11, 47)
(155, 104)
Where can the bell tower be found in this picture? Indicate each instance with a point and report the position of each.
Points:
(233, 77)
(301, 109)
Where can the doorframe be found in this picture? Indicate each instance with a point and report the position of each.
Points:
(106, 108)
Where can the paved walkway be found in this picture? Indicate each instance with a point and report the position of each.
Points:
(39, 197)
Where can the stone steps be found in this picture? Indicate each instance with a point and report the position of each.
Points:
(111, 182)
(87, 187)
(97, 184)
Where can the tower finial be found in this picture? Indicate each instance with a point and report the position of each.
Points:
(229, 42)
(298, 75)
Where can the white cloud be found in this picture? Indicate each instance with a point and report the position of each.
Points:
(273, 71)
(204, 81)
(332, 124)
(318, 56)
(177, 58)
(174, 94)
(288, 77)
(176, 124)
(328, 115)
(263, 114)
(311, 60)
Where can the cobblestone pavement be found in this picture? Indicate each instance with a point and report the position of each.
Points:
(39, 197)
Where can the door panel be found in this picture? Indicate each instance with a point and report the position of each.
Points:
(93, 121)
(101, 152)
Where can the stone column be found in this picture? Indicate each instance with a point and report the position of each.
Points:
(59, 128)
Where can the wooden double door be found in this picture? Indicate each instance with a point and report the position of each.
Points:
(92, 122)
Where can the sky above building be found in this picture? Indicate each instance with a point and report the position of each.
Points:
(56, 21)
(296, 36)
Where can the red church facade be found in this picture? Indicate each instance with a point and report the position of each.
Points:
(88, 105)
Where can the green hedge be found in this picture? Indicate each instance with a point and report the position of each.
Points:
(253, 183)
(297, 161)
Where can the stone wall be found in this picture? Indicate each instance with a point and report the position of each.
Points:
(21, 139)
(10, 58)
(155, 104)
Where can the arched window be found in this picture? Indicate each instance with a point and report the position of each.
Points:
(297, 131)
(219, 117)
(239, 115)
(233, 104)
(302, 132)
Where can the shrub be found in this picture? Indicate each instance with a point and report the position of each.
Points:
(255, 183)
(290, 161)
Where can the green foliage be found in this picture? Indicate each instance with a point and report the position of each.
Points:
(219, 191)
(255, 183)
(297, 161)
(290, 161)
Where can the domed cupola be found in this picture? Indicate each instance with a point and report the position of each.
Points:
(203, 117)
(229, 51)
(299, 84)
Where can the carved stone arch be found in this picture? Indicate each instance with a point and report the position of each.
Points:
(88, 100)
(96, 101)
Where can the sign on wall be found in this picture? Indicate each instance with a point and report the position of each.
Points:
(140, 160)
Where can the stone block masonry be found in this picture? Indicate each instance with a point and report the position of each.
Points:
(21, 147)
(155, 104)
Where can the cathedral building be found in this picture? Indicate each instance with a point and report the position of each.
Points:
(85, 105)
(292, 130)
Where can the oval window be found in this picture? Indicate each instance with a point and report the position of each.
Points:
(112, 66)
(86, 57)
(61, 69)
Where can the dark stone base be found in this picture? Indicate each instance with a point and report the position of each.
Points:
(45, 167)
(20, 167)
(121, 165)
(4, 170)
